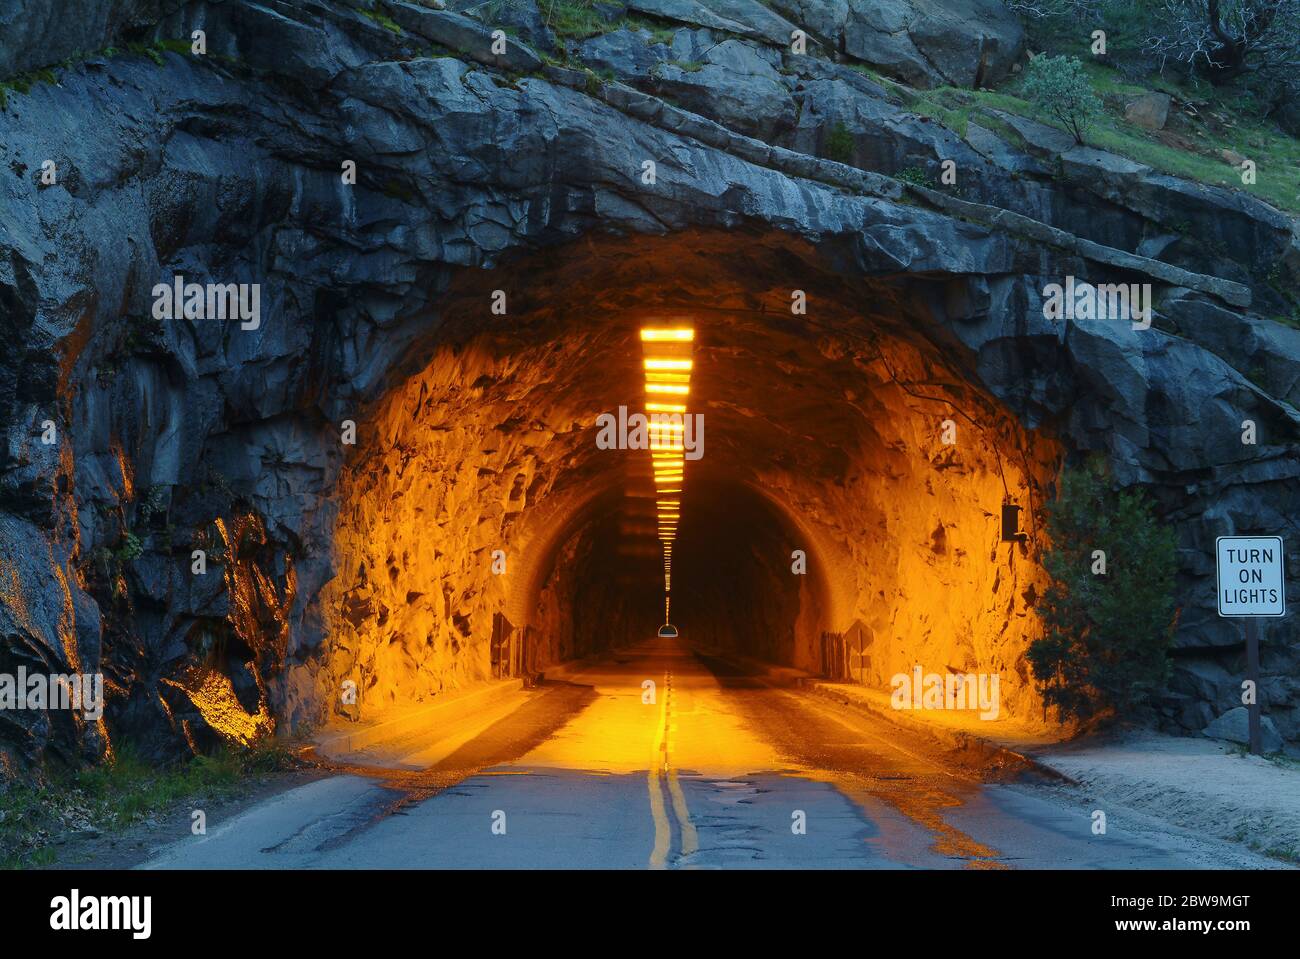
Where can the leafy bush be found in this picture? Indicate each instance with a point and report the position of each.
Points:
(1107, 633)
(130, 548)
(914, 174)
(1061, 87)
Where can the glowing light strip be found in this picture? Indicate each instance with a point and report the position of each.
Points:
(678, 335)
(667, 373)
(658, 363)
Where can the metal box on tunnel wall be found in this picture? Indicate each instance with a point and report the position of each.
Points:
(1011, 523)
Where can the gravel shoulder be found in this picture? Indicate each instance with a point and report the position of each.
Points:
(1204, 786)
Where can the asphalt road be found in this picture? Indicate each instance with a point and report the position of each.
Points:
(712, 768)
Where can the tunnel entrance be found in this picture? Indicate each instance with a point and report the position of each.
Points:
(852, 480)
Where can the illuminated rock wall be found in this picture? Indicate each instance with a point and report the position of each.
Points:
(477, 501)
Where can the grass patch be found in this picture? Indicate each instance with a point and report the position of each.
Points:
(154, 50)
(1291, 855)
(658, 32)
(378, 16)
(1224, 122)
(1231, 117)
(1204, 121)
(594, 80)
(23, 83)
(146, 50)
(175, 46)
(118, 794)
(573, 19)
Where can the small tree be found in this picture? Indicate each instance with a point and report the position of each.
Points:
(1107, 633)
(1060, 86)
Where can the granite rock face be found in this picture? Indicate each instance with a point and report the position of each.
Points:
(922, 42)
(38, 34)
(131, 443)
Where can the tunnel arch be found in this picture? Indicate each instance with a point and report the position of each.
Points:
(828, 423)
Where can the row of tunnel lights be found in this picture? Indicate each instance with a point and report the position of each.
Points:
(667, 361)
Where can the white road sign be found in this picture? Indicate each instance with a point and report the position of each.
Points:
(1251, 579)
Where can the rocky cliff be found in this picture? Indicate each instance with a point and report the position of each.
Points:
(517, 162)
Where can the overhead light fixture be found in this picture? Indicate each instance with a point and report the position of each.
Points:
(660, 363)
(676, 335)
(667, 365)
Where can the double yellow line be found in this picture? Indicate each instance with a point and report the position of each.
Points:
(660, 769)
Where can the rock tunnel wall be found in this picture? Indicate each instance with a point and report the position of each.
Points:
(477, 492)
(474, 176)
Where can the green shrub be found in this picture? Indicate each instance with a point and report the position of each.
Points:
(1107, 633)
(1061, 87)
(913, 174)
(130, 548)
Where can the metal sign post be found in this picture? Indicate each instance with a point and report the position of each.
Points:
(1252, 583)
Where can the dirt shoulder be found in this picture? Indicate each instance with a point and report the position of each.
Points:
(1198, 784)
